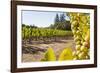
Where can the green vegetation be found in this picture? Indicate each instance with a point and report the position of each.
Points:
(61, 23)
(66, 54)
(60, 28)
(49, 55)
(37, 33)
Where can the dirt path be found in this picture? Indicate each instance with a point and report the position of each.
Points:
(57, 46)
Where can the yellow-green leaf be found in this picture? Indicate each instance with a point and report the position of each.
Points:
(66, 54)
(50, 55)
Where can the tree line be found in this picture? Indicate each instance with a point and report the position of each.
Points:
(60, 22)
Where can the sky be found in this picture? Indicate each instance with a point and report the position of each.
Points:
(39, 18)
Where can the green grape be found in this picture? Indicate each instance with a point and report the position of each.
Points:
(72, 26)
(74, 23)
(87, 57)
(77, 39)
(87, 38)
(74, 32)
(78, 52)
(75, 36)
(78, 42)
(74, 53)
(81, 55)
(78, 47)
(75, 58)
(85, 44)
(84, 49)
(78, 32)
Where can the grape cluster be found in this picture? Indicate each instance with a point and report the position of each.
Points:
(80, 25)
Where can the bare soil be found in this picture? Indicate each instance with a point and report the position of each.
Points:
(36, 53)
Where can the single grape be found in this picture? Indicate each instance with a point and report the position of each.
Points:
(78, 47)
(84, 49)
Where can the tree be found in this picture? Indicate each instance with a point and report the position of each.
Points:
(62, 17)
(68, 25)
(61, 23)
(33, 26)
(57, 18)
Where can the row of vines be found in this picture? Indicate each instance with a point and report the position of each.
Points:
(37, 33)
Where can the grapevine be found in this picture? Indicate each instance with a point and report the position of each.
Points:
(37, 33)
